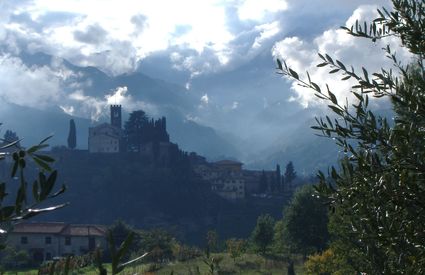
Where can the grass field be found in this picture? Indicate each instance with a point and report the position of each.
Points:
(249, 264)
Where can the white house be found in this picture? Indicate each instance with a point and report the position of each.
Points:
(46, 240)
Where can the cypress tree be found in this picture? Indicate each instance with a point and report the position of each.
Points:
(72, 136)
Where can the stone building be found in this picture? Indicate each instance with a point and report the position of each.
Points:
(230, 188)
(225, 176)
(107, 138)
(47, 240)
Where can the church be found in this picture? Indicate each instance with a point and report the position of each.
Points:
(107, 137)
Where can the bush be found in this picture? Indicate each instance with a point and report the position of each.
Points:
(326, 263)
(12, 258)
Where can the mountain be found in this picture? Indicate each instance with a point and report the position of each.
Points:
(33, 125)
(156, 97)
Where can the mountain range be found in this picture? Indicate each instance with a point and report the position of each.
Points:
(234, 114)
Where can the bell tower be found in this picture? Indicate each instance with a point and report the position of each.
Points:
(116, 116)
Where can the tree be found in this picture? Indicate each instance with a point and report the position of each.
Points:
(72, 135)
(158, 243)
(235, 247)
(212, 241)
(263, 233)
(134, 130)
(305, 222)
(24, 206)
(120, 231)
(377, 193)
(9, 137)
(289, 175)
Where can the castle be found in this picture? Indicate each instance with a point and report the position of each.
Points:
(107, 138)
(148, 137)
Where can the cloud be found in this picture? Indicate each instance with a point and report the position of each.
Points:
(266, 32)
(36, 87)
(140, 22)
(257, 10)
(117, 36)
(95, 108)
(44, 87)
(121, 96)
(301, 55)
(204, 99)
(93, 34)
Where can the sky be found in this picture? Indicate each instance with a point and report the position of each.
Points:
(188, 42)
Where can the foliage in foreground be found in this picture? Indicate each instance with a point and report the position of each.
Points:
(378, 194)
(27, 203)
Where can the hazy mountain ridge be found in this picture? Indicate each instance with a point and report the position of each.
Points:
(169, 100)
(277, 132)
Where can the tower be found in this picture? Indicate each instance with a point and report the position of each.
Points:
(116, 116)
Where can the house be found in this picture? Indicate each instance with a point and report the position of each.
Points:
(46, 240)
(107, 137)
(230, 188)
(225, 176)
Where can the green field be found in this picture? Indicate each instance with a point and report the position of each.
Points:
(249, 264)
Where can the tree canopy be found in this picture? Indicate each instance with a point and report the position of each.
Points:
(263, 233)
(378, 193)
(305, 222)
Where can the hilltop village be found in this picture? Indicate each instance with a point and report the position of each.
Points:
(227, 178)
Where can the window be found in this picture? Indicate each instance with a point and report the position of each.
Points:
(48, 240)
(67, 240)
(48, 256)
(24, 240)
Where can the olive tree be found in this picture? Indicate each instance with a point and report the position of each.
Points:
(378, 191)
(29, 197)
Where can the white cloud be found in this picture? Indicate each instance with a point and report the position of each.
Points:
(257, 10)
(205, 99)
(36, 87)
(116, 35)
(266, 32)
(95, 108)
(67, 109)
(122, 97)
(302, 55)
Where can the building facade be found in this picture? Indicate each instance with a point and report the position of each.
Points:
(104, 138)
(47, 240)
(107, 137)
(225, 176)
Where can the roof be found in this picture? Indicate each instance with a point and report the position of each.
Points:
(60, 228)
(39, 227)
(228, 162)
(84, 230)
